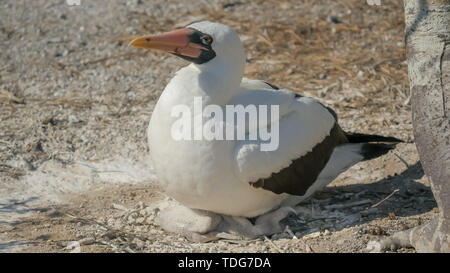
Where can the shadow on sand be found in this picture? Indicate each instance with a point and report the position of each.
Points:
(341, 207)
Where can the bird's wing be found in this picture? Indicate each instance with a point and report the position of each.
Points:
(257, 84)
(308, 134)
(282, 98)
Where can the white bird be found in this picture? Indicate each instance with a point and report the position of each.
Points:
(235, 178)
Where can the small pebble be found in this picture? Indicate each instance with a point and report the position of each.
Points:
(333, 19)
(131, 95)
(140, 220)
(139, 243)
(73, 119)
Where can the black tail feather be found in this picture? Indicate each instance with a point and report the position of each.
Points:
(361, 138)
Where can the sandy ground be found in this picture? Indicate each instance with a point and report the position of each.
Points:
(75, 102)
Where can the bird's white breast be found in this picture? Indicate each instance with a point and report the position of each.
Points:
(201, 174)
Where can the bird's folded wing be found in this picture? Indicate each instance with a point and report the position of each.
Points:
(282, 99)
(303, 124)
(256, 84)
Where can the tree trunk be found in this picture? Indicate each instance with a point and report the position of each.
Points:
(428, 55)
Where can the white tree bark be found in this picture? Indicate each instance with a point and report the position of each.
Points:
(428, 55)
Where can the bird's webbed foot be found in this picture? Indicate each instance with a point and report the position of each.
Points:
(194, 224)
(266, 224)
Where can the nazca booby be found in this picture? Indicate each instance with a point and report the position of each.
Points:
(235, 178)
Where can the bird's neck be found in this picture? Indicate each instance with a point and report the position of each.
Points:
(215, 82)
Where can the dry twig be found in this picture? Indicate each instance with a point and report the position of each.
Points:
(273, 245)
(387, 197)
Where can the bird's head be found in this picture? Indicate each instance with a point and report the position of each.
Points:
(200, 43)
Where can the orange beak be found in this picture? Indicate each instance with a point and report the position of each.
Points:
(176, 42)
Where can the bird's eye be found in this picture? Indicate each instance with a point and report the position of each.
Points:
(207, 40)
